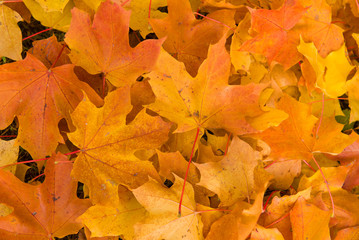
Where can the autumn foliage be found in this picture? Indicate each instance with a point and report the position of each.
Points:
(181, 119)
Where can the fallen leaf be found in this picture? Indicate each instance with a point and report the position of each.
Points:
(232, 178)
(59, 20)
(108, 145)
(243, 217)
(316, 26)
(104, 220)
(207, 100)
(163, 221)
(10, 43)
(276, 40)
(331, 71)
(99, 49)
(309, 222)
(44, 211)
(39, 97)
(188, 39)
(9, 151)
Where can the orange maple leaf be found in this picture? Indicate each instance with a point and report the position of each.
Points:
(188, 39)
(44, 211)
(206, 101)
(39, 97)
(276, 40)
(103, 46)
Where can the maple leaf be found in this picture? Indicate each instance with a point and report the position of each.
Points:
(48, 50)
(139, 14)
(279, 207)
(10, 45)
(175, 163)
(9, 151)
(50, 6)
(308, 221)
(39, 97)
(104, 220)
(188, 39)
(103, 46)
(232, 178)
(55, 19)
(295, 137)
(284, 171)
(207, 100)
(275, 38)
(347, 233)
(346, 211)
(162, 222)
(260, 233)
(335, 177)
(331, 72)
(316, 27)
(44, 211)
(108, 145)
(242, 219)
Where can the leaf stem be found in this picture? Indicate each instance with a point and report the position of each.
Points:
(123, 4)
(45, 30)
(58, 57)
(42, 174)
(149, 9)
(306, 163)
(278, 220)
(8, 136)
(326, 183)
(185, 177)
(214, 20)
(229, 138)
(266, 203)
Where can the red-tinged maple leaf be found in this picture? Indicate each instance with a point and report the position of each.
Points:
(188, 39)
(39, 97)
(44, 211)
(108, 145)
(103, 46)
(48, 50)
(316, 27)
(206, 101)
(276, 40)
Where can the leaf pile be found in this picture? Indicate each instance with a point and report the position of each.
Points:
(261, 96)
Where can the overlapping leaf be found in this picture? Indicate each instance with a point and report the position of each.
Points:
(39, 97)
(103, 45)
(107, 145)
(276, 40)
(188, 39)
(44, 211)
(10, 43)
(207, 100)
